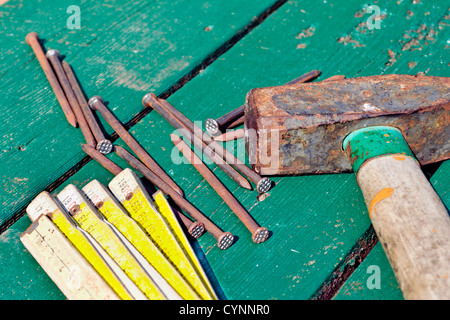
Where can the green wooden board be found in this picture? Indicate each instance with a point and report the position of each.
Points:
(315, 220)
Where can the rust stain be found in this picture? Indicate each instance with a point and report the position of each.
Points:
(304, 34)
(383, 194)
(412, 64)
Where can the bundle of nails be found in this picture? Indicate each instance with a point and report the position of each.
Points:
(79, 113)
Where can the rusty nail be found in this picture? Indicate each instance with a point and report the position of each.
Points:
(151, 101)
(195, 229)
(235, 117)
(53, 56)
(230, 135)
(104, 145)
(224, 239)
(96, 103)
(101, 159)
(262, 184)
(259, 234)
(32, 39)
(236, 123)
(336, 77)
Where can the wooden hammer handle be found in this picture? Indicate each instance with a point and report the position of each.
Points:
(412, 224)
(410, 220)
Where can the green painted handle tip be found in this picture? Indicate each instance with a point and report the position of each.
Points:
(372, 142)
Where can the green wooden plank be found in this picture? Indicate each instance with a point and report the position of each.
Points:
(315, 220)
(372, 280)
(123, 49)
(440, 182)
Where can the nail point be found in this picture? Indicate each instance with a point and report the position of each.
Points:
(65, 64)
(119, 149)
(245, 184)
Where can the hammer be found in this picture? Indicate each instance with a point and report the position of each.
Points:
(383, 128)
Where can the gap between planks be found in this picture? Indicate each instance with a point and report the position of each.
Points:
(347, 266)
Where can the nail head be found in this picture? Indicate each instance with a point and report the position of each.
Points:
(147, 97)
(30, 36)
(52, 52)
(260, 235)
(211, 125)
(196, 229)
(264, 185)
(104, 146)
(225, 240)
(93, 100)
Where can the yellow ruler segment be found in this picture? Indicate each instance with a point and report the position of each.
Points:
(44, 203)
(159, 281)
(111, 209)
(163, 206)
(131, 193)
(89, 219)
(69, 270)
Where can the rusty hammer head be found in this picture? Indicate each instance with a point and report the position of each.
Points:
(301, 130)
